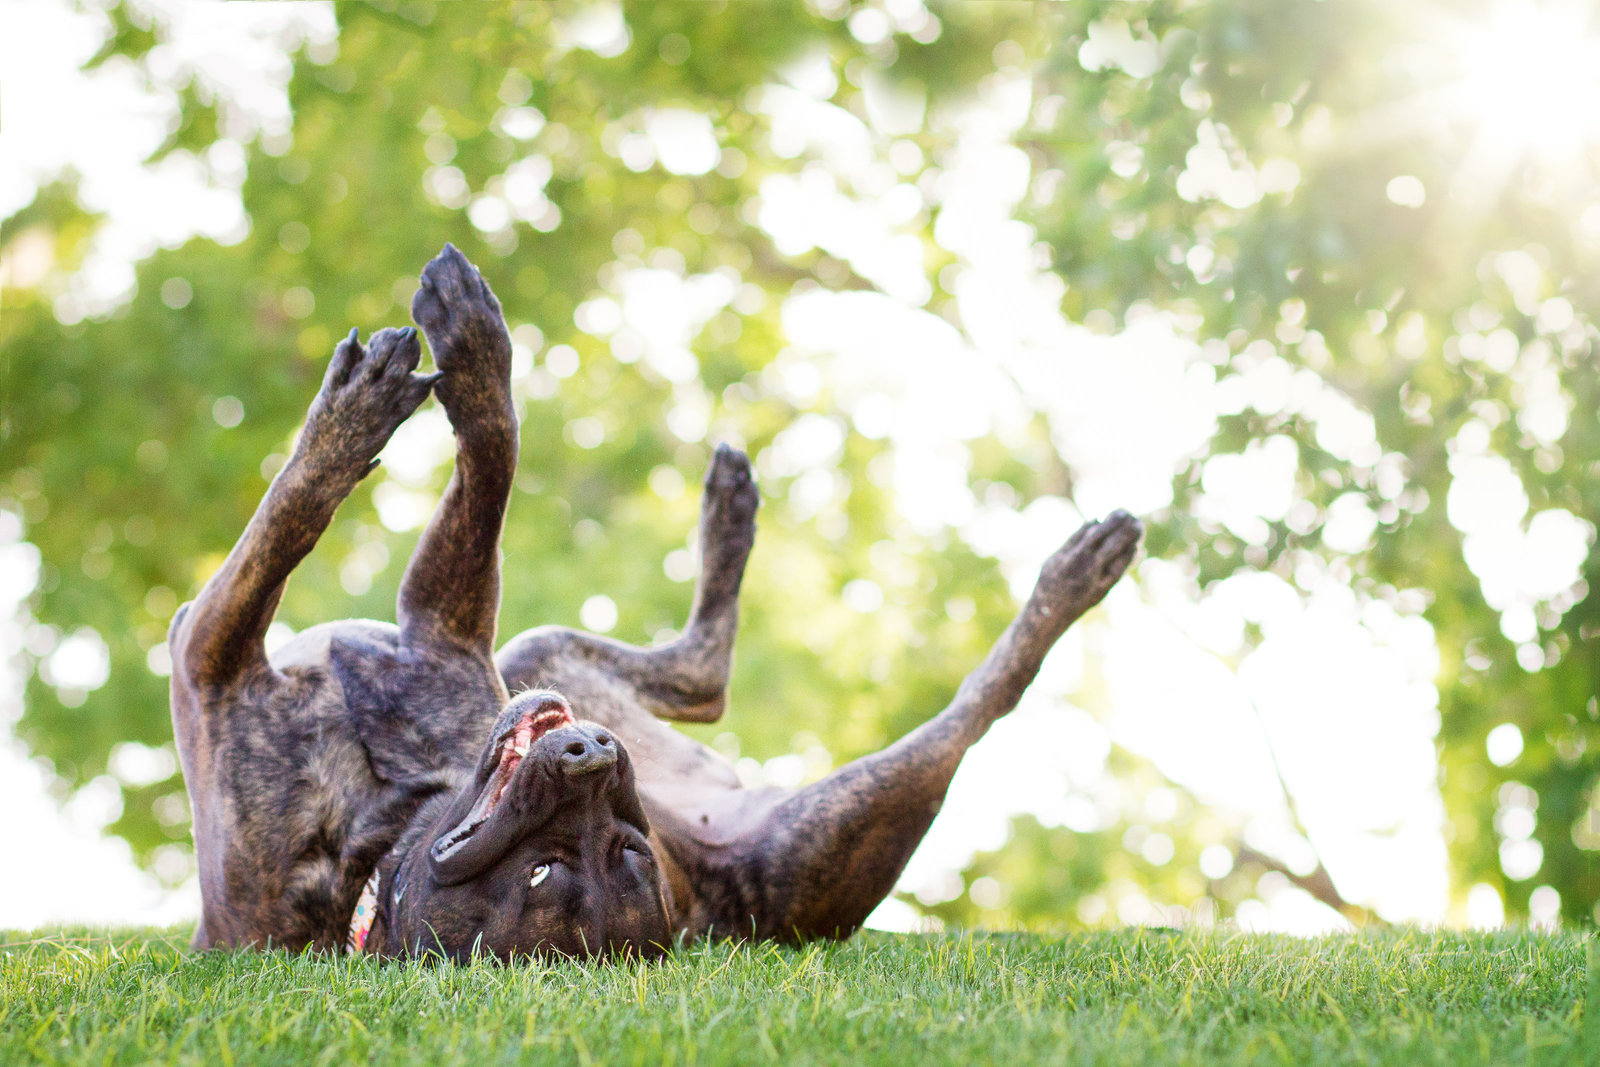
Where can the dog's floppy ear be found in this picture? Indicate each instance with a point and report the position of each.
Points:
(375, 687)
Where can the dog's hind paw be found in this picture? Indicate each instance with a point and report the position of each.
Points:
(1082, 571)
(731, 497)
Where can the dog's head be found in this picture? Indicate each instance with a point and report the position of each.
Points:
(544, 852)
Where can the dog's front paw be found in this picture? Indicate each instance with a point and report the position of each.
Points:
(1082, 571)
(461, 318)
(366, 393)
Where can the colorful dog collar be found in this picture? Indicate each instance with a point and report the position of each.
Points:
(361, 920)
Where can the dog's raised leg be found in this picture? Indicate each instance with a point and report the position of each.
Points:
(685, 679)
(692, 672)
(365, 395)
(822, 858)
(451, 590)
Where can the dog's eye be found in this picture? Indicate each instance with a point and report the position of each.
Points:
(540, 873)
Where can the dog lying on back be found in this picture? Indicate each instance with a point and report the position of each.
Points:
(375, 786)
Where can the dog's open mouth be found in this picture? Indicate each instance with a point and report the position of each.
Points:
(512, 747)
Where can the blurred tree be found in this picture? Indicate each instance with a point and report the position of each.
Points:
(1314, 192)
(133, 444)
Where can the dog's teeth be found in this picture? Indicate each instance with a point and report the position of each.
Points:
(521, 749)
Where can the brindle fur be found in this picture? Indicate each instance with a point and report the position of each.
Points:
(349, 747)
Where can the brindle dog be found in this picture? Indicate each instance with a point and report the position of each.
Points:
(510, 826)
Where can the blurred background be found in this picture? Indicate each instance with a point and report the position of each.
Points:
(1310, 287)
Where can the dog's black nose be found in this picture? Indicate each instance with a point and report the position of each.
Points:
(587, 753)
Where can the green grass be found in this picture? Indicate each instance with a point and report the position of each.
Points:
(1132, 996)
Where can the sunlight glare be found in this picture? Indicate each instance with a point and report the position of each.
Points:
(1532, 80)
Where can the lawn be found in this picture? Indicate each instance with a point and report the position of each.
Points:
(1131, 996)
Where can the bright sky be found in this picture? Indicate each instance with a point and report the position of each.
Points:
(1125, 410)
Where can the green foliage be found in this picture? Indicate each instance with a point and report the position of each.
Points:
(1136, 997)
(122, 453)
